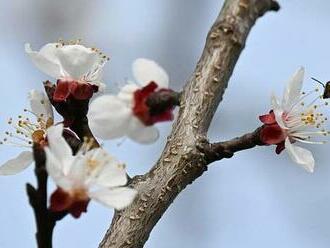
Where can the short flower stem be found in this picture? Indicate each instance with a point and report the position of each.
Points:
(162, 100)
(226, 149)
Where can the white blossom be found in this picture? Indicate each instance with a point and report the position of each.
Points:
(299, 118)
(90, 174)
(69, 62)
(112, 116)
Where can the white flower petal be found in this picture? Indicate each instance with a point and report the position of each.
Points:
(117, 198)
(78, 170)
(146, 71)
(126, 93)
(113, 173)
(293, 89)
(40, 104)
(49, 52)
(45, 60)
(16, 165)
(76, 60)
(300, 155)
(108, 117)
(55, 171)
(140, 133)
(59, 147)
(278, 112)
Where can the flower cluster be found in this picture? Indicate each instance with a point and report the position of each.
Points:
(78, 69)
(297, 118)
(89, 172)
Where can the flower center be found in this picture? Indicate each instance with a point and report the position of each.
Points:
(309, 119)
(93, 164)
(305, 121)
(27, 132)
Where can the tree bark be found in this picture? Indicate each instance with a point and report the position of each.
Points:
(181, 161)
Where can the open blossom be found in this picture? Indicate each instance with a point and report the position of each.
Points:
(28, 131)
(128, 114)
(295, 119)
(77, 68)
(90, 174)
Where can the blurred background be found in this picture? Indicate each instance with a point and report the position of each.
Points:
(255, 199)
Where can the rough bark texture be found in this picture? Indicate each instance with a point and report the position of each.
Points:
(181, 161)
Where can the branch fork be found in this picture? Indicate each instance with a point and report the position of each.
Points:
(187, 153)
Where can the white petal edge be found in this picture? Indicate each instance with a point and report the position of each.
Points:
(293, 89)
(108, 117)
(140, 133)
(118, 198)
(113, 174)
(300, 156)
(46, 64)
(40, 104)
(78, 169)
(59, 147)
(77, 60)
(16, 165)
(126, 93)
(278, 112)
(56, 172)
(146, 71)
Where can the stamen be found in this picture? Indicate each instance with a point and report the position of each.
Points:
(311, 142)
(300, 100)
(26, 130)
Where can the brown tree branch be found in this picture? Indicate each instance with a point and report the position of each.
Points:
(38, 197)
(181, 162)
(45, 219)
(226, 149)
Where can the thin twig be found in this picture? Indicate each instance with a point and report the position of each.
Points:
(38, 196)
(45, 220)
(226, 149)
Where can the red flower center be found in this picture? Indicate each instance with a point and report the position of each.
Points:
(66, 88)
(75, 202)
(141, 109)
(272, 133)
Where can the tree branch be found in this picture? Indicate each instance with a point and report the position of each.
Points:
(226, 149)
(45, 219)
(181, 162)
